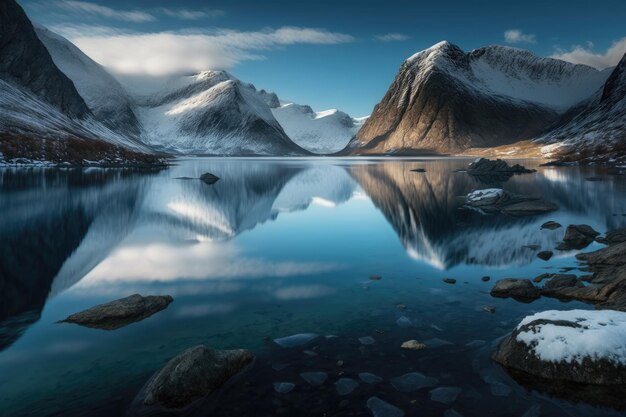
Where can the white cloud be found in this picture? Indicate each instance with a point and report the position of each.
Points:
(187, 14)
(168, 53)
(392, 37)
(94, 9)
(585, 55)
(518, 36)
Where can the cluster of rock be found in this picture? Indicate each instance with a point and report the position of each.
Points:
(580, 337)
(185, 379)
(497, 200)
(484, 166)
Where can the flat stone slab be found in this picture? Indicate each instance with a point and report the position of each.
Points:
(296, 339)
(120, 313)
(345, 386)
(413, 381)
(314, 378)
(192, 375)
(380, 408)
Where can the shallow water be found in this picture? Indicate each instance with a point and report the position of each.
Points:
(276, 248)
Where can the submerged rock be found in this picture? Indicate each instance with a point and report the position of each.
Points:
(445, 395)
(413, 381)
(579, 346)
(120, 313)
(345, 386)
(404, 322)
(193, 374)
(283, 387)
(209, 178)
(616, 236)
(314, 378)
(380, 408)
(369, 378)
(296, 340)
(521, 289)
(577, 236)
(367, 340)
(563, 280)
(449, 280)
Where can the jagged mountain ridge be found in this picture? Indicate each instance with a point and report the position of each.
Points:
(213, 112)
(444, 100)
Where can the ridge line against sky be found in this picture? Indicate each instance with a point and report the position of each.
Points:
(327, 55)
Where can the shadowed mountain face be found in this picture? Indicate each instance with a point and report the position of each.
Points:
(26, 62)
(444, 100)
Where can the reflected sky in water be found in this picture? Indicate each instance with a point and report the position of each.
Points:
(273, 248)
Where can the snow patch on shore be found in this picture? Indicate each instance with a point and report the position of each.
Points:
(599, 335)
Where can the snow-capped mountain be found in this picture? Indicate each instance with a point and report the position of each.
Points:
(213, 113)
(597, 129)
(103, 94)
(324, 132)
(445, 100)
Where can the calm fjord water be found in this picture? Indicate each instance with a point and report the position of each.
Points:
(275, 248)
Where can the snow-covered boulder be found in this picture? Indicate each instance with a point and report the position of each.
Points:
(580, 346)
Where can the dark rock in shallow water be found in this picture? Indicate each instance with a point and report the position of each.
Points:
(485, 279)
(449, 280)
(345, 386)
(209, 178)
(314, 378)
(418, 170)
(577, 237)
(283, 387)
(616, 236)
(296, 340)
(445, 395)
(521, 289)
(541, 277)
(369, 378)
(551, 225)
(484, 166)
(367, 340)
(380, 408)
(545, 255)
(192, 375)
(412, 382)
(563, 280)
(120, 313)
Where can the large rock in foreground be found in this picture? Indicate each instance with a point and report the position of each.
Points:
(120, 313)
(578, 236)
(193, 374)
(581, 346)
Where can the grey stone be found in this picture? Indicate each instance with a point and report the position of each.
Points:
(120, 313)
(413, 381)
(516, 288)
(193, 374)
(381, 408)
(369, 378)
(296, 340)
(345, 386)
(314, 378)
(283, 387)
(445, 395)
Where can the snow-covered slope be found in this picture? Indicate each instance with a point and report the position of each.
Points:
(104, 95)
(446, 100)
(595, 131)
(213, 113)
(322, 132)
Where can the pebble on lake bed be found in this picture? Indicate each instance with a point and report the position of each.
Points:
(345, 386)
(375, 277)
(485, 279)
(380, 408)
(449, 280)
(413, 345)
(489, 309)
(367, 340)
(283, 387)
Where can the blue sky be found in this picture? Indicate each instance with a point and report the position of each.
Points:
(328, 54)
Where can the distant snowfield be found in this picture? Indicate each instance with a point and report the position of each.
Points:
(601, 335)
(323, 132)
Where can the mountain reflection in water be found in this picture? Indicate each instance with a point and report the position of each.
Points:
(275, 247)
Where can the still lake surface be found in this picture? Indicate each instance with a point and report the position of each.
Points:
(275, 248)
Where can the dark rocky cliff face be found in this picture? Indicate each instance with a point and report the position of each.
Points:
(26, 62)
